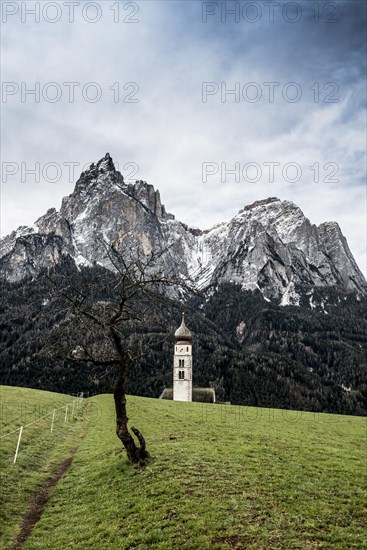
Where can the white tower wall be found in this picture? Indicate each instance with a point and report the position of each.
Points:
(182, 372)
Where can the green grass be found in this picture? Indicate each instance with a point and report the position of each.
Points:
(40, 450)
(219, 477)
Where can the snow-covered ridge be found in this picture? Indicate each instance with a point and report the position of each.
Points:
(269, 245)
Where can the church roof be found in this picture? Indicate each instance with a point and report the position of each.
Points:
(183, 333)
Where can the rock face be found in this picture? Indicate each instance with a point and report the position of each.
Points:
(272, 246)
(269, 245)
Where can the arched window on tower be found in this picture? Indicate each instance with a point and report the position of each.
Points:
(181, 375)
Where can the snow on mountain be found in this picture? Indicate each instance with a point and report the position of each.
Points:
(269, 245)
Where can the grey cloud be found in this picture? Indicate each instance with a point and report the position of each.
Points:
(170, 132)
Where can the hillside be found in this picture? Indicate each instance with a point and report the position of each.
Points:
(253, 352)
(220, 477)
(40, 452)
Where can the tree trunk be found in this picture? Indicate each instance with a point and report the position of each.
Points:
(136, 453)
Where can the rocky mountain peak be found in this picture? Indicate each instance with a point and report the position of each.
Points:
(260, 203)
(103, 166)
(269, 245)
(106, 163)
(98, 175)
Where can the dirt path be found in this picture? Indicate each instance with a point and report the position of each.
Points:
(38, 503)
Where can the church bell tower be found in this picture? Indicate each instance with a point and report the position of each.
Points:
(182, 364)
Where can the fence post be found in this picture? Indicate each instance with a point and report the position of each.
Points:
(72, 412)
(66, 412)
(53, 418)
(17, 449)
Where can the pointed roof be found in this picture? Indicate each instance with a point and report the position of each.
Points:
(183, 333)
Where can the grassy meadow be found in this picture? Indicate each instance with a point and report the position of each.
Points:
(220, 477)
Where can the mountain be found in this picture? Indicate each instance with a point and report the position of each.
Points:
(281, 321)
(269, 245)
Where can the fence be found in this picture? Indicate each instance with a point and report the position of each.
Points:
(76, 401)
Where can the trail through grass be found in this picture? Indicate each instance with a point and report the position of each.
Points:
(40, 450)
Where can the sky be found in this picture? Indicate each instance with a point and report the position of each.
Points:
(217, 104)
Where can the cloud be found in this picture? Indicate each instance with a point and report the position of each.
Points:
(170, 132)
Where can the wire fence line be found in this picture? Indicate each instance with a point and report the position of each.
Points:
(30, 423)
(76, 400)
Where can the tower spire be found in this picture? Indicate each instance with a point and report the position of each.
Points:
(183, 334)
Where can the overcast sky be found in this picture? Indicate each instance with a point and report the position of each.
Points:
(176, 125)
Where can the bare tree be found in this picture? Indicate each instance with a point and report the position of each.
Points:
(101, 314)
